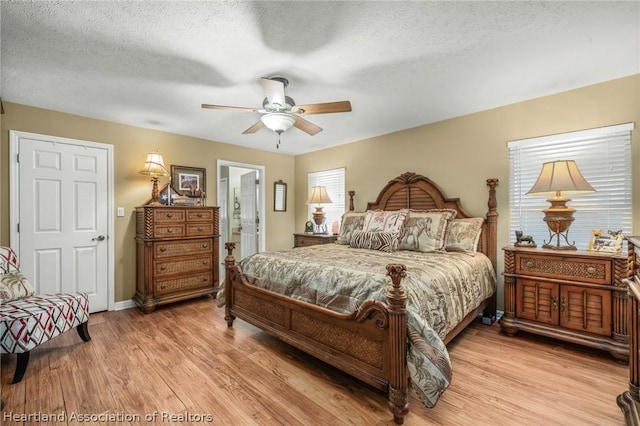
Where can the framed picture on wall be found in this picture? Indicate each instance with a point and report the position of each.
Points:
(189, 181)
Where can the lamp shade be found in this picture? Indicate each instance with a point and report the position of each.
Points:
(560, 176)
(319, 195)
(278, 121)
(154, 165)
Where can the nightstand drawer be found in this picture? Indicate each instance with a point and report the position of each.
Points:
(557, 266)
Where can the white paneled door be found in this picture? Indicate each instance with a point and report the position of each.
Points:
(248, 214)
(64, 219)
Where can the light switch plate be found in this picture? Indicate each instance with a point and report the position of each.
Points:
(120, 211)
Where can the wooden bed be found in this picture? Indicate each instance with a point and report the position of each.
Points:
(370, 343)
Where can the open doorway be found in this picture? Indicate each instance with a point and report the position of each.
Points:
(241, 197)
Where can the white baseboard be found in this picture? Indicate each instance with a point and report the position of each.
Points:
(125, 304)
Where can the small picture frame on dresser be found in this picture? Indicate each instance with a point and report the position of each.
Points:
(609, 243)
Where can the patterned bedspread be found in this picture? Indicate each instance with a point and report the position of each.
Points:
(442, 288)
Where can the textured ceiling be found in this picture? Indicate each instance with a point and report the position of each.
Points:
(401, 64)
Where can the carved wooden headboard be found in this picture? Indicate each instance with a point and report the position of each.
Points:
(414, 191)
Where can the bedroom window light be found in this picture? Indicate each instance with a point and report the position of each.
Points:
(604, 157)
(334, 181)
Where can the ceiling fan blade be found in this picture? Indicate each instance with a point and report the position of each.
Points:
(258, 126)
(229, 107)
(307, 126)
(328, 107)
(274, 91)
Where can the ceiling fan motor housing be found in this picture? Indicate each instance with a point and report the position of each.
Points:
(289, 103)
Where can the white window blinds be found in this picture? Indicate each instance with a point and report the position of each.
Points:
(333, 180)
(603, 156)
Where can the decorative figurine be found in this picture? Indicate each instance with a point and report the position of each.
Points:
(524, 240)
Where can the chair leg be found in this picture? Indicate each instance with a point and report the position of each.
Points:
(83, 331)
(21, 366)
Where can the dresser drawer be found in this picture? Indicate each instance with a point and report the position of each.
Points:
(183, 283)
(168, 215)
(178, 248)
(197, 229)
(596, 271)
(169, 231)
(182, 265)
(199, 215)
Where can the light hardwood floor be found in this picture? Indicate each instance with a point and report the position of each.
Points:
(182, 360)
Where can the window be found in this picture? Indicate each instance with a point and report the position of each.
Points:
(603, 156)
(333, 180)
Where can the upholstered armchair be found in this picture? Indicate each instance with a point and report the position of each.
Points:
(27, 320)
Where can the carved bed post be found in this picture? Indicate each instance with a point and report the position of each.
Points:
(489, 314)
(398, 381)
(229, 263)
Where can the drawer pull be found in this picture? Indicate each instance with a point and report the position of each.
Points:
(169, 215)
(205, 279)
(205, 262)
(591, 270)
(563, 302)
(554, 303)
(199, 214)
(205, 245)
(169, 230)
(163, 249)
(529, 264)
(163, 267)
(162, 286)
(199, 228)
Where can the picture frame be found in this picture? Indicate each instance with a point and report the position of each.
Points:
(279, 196)
(611, 243)
(189, 181)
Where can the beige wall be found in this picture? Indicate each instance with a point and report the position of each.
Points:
(131, 145)
(461, 153)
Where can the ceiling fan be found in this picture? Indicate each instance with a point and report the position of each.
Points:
(281, 112)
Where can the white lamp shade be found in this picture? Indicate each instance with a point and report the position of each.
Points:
(278, 121)
(154, 165)
(561, 175)
(319, 195)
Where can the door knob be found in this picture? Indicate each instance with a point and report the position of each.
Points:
(99, 238)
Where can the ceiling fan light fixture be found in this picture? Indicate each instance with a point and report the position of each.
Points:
(278, 122)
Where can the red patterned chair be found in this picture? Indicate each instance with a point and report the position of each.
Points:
(28, 320)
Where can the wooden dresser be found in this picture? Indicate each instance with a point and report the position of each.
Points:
(304, 240)
(576, 296)
(177, 254)
(629, 401)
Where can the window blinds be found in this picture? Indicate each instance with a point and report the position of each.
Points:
(333, 180)
(603, 156)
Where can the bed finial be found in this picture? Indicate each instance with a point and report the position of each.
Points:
(351, 206)
(230, 247)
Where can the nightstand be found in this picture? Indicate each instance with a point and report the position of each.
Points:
(304, 240)
(576, 296)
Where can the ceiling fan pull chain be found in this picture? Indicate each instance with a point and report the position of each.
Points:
(278, 144)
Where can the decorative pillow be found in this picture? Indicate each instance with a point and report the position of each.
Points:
(464, 234)
(382, 241)
(14, 286)
(351, 221)
(426, 230)
(384, 221)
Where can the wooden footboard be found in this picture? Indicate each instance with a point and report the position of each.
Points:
(369, 344)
